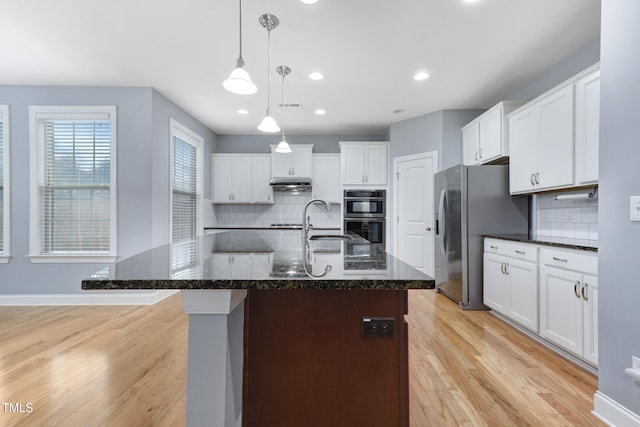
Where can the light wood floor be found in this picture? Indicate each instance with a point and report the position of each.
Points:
(126, 366)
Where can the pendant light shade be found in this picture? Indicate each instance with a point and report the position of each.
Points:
(268, 124)
(239, 80)
(283, 147)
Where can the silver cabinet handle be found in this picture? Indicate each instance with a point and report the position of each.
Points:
(575, 289)
(521, 252)
(584, 292)
(559, 259)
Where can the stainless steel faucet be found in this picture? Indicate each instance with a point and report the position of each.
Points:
(305, 218)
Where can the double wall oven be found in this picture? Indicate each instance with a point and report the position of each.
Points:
(365, 214)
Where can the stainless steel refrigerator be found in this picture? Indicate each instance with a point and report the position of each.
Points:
(471, 201)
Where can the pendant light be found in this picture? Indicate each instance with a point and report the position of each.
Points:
(239, 80)
(283, 147)
(268, 124)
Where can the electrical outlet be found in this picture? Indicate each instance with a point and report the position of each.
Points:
(377, 327)
(634, 208)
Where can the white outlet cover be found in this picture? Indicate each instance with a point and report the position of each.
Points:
(634, 208)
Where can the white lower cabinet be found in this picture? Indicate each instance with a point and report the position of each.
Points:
(550, 291)
(510, 283)
(569, 310)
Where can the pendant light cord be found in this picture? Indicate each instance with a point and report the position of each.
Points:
(283, 104)
(268, 69)
(240, 26)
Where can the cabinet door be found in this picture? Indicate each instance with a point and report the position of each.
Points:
(377, 163)
(471, 144)
(261, 191)
(491, 136)
(524, 149)
(280, 164)
(556, 129)
(495, 283)
(352, 161)
(561, 308)
(590, 302)
(523, 293)
(302, 162)
(240, 179)
(221, 179)
(326, 177)
(587, 136)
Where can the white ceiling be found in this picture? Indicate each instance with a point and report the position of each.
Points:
(368, 51)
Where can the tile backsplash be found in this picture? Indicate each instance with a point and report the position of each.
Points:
(573, 219)
(287, 209)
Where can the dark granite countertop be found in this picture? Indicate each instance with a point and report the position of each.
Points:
(579, 244)
(261, 259)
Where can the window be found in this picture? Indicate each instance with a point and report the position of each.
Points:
(73, 184)
(186, 183)
(4, 184)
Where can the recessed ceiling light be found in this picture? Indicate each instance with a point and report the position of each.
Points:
(308, 1)
(320, 112)
(421, 76)
(242, 112)
(316, 76)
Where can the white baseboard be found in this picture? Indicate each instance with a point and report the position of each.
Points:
(107, 298)
(612, 413)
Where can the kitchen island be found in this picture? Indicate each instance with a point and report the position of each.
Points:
(282, 331)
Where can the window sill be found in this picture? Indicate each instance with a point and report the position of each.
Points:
(73, 259)
(4, 259)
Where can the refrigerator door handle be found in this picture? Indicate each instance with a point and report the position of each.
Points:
(442, 228)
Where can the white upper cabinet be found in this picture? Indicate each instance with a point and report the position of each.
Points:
(240, 178)
(326, 182)
(298, 163)
(554, 138)
(364, 163)
(587, 127)
(486, 138)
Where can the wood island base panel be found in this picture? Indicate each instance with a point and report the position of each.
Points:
(308, 364)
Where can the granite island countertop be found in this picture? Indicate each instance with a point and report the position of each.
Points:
(559, 242)
(261, 259)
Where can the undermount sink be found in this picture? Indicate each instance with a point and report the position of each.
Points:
(330, 237)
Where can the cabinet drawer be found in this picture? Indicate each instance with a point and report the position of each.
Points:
(522, 251)
(571, 260)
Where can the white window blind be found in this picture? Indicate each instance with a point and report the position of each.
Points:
(2, 249)
(74, 190)
(184, 190)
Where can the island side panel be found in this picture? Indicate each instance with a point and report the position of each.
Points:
(306, 362)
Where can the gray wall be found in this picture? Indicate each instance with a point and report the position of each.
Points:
(618, 254)
(580, 60)
(138, 177)
(261, 143)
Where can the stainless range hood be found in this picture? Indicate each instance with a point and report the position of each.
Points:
(291, 184)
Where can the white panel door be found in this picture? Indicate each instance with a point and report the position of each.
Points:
(561, 308)
(415, 212)
(495, 282)
(471, 144)
(523, 293)
(377, 164)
